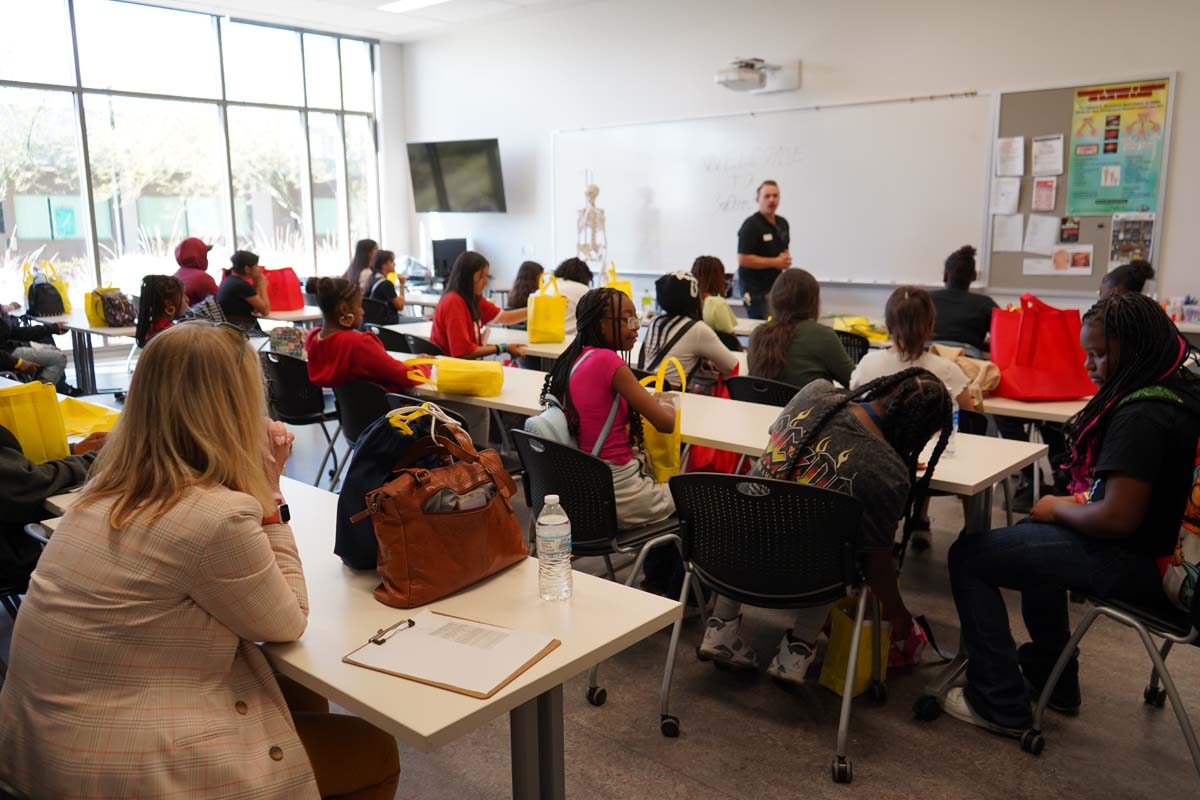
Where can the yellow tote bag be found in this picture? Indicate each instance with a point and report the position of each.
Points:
(460, 375)
(547, 319)
(84, 419)
(32, 414)
(94, 305)
(613, 282)
(860, 325)
(664, 448)
(833, 671)
(51, 273)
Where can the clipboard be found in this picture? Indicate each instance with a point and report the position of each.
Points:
(475, 658)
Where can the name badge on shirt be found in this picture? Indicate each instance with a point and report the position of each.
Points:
(768, 237)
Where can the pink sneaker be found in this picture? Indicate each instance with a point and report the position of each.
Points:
(907, 652)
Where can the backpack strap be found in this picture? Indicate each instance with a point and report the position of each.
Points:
(664, 351)
(374, 286)
(612, 412)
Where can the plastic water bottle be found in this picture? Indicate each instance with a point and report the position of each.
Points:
(950, 444)
(554, 551)
(647, 305)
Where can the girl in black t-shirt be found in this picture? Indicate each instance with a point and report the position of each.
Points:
(1132, 462)
(243, 293)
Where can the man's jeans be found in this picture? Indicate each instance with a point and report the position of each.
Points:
(1042, 562)
(755, 304)
(52, 361)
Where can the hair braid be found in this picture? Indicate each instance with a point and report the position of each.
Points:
(1149, 350)
(155, 292)
(590, 314)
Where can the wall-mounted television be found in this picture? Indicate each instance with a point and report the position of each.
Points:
(457, 176)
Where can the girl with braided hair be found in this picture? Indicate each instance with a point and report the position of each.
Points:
(865, 443)
(161, 300)
(1132, 462)
(585, 379)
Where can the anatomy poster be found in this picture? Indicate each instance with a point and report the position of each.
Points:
(1117, 135)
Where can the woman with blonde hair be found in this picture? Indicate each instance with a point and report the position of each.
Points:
(134, 666)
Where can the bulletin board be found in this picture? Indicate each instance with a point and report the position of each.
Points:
(1056, 112)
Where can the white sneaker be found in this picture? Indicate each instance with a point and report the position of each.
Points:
(954, 703)
(723, 644)
(792, 661)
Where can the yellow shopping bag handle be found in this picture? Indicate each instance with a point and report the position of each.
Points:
(660, 379)
(611, 272)
(551, 281)
(400, 421)
(416, 374)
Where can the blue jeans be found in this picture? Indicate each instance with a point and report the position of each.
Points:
(1042, 562)
(755, 304)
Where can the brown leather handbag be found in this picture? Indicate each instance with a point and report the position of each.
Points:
(426, 555)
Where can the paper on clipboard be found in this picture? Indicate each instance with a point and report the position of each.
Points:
(461, 655)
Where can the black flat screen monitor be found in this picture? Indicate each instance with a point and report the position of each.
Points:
(457, 176)
(445, 253)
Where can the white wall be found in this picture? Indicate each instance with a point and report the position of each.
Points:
(395, 195)
(626, 60)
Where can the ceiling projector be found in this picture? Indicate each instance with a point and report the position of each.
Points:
(756, 76)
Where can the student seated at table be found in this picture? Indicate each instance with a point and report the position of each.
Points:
(679, 332)
(382, 290)
(160, 302)
(462, 312)
(608, 328)
(243, 293)
(1133, 449)
(29, 350)
(24, 489)
(192, 257)
(1129, 277)
(338, 352)
(963, 317)
(869, 443)
(529, 278)
(134, 668)
(359, 271)
(715, 312)
(793, 347)
(574, 281)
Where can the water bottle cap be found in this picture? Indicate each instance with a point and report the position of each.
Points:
(551, 500)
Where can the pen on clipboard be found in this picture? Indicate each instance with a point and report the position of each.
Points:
(383, 634)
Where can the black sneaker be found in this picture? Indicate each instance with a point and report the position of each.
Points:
(1066, 698)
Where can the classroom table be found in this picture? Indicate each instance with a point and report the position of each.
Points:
(978, 463)
(493, 334)
(423, 300)
(81, 344)
(1050, 411)
(303, 316)
(601, 619)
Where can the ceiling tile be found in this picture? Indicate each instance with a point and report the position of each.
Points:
(464, 10)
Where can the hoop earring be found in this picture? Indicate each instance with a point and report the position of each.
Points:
(345, 320)
(169, 311)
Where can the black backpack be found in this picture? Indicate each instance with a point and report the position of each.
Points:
(45, 301)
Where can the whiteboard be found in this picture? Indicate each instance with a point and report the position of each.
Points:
(874, 193)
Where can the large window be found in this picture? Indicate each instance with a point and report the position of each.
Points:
(246, 135)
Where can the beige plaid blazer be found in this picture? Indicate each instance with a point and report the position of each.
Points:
(134, 671)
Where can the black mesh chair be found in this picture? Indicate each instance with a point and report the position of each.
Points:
(295, 400)
(392, 342)
(760, 390)
(1162, 619)
(773, 544)
(377, 312)
(422, 346)
(584, 486)
(359, 403)
(856, 345)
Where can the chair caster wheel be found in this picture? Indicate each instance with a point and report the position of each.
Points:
(842, 771)
(927, 708)
(1032, 742)
(700, 655)
(1154, 696)
(596, 695)
(878, 692)
(669, 725)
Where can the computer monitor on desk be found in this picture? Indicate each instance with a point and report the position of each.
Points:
(445, 253)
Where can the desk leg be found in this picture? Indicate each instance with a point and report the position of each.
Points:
(536, 731)
(550, 744)
(978, 517)
(85, 365)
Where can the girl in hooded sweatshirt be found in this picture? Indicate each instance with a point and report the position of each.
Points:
(192, 257)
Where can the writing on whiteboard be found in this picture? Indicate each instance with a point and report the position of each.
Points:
(766, 156)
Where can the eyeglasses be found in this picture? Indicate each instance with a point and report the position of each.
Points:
(633, 323)
(240, 332)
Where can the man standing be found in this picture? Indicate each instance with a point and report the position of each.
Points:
(762, 250)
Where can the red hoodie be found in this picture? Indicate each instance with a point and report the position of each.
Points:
(349, 355)
(192, 257)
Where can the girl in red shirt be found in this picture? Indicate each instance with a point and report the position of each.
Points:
(339, 353)
(160, 302)
(459, 318)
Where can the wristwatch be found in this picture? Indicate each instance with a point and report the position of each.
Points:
(282, 515)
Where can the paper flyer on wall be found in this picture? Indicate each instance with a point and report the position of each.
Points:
(1006, 194)
(1007, 233)
(1010, 156)
(1068, 230)
(1047, 155)
(1132, 237)
(1041, 234)
(1117, 137)
(1045, 193)
(1066, 260)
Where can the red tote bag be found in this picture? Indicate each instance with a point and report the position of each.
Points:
(283, 289)
(1037, 350)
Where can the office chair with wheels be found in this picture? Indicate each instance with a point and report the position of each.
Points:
(856, 345)
(296, 400)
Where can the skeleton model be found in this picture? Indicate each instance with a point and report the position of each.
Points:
(592, 240)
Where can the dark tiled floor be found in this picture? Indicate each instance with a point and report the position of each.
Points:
(744, 737)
